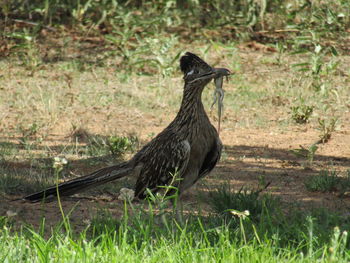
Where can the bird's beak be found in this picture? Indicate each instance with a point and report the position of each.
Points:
(215, 73)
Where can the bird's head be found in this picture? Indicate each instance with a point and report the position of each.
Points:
(198, 73)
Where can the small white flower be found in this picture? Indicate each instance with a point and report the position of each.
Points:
(242, 215)
(87, 221)
(59, 162)
(126, 194)
(318, 48)
(10, 213)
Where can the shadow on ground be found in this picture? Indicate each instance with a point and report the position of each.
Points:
(241, 165)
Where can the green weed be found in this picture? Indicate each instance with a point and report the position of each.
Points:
(119, 145)
(224, 200)
(301, 114)
(307, 153)
(326, 181)
(326, 128)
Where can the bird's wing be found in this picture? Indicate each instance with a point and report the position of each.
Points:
(163, 166)
(211, 159)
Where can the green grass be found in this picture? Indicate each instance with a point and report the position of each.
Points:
(223, 200)
(328, 181)
(145, 236)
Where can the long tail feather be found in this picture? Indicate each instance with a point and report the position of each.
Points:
(99, 177)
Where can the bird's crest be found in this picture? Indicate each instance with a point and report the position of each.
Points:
(191, 63)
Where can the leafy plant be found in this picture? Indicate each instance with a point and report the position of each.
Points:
(326, 128)
(307, 153)
(325, 181)
(26, 47)
(318, 65)
(119, 145)
(301, 114)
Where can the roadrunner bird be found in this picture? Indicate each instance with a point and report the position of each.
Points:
(189, 147)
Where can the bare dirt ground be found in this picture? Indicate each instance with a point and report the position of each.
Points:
(249, 156)
(252, 154)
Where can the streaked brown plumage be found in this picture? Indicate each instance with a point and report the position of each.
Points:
(189, 146)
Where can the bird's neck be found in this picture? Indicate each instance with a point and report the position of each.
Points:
(191, 109)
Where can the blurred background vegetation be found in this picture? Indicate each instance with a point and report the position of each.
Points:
(137, 32)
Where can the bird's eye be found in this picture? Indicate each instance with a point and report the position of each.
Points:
(190, 73)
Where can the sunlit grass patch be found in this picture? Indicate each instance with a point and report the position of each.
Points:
(140, 236)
